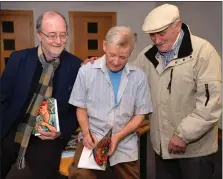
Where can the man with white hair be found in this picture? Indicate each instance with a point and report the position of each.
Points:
(184, 75)
(111, 94)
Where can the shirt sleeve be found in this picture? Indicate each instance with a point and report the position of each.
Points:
(78, 95)
(143, 104)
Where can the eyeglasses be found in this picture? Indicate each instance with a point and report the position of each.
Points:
(53, 36)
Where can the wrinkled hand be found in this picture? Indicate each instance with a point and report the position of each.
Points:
(176, 145)
(48, 135)
(115, 139)
(87, 141)
(92, 59)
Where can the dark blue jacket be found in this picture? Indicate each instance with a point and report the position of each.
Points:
(18, 82)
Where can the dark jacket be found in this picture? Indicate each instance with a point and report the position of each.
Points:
(18, 84)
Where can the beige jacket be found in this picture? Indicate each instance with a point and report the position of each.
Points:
(186, 96)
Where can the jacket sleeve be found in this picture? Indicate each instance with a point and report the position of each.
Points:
(207, 112)
(7, 81)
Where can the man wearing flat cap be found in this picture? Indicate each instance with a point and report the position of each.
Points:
(184, 75)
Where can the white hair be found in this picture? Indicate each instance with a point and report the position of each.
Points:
(122, 36)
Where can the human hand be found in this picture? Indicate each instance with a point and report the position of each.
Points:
(87, 141)
(48, 135)
(115, 139)
(176, 145)
(92, 59)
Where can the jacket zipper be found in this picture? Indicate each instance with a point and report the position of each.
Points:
(207, 94)
(161, 150)
(170, 82)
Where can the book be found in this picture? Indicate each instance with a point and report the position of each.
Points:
(96, 158)
(47, 117)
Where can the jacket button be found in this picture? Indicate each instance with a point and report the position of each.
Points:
(183, 59)
(190, 56)
(176, 62)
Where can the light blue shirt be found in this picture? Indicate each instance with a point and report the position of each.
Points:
(115, 78)
(93, 90)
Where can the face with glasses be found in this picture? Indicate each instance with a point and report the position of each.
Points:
(53, 35)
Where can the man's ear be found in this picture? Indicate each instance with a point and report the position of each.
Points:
(104, 46)
(179, 25)
(39, 36)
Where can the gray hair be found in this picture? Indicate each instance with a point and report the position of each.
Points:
(51, 13)
(122, 36)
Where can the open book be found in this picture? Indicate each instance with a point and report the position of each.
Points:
(47, 117)
(98, 157)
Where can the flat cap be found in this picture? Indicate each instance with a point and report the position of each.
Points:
(160, 18)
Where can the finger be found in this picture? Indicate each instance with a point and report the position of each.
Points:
(90, 143)
(183, 149)
(87, 144)
(111, 150)
(45, 138)
(47, 134)
(176, 150)
(95, 140)
(170, 147)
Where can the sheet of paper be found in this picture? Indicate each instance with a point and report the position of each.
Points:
(86, 162)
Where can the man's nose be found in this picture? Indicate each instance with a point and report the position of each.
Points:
(58, 40)
(116, 61)
(157, 39)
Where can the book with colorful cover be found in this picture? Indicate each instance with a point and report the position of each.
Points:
(98, 157)
(47, 117)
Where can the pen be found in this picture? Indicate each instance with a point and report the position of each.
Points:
(91, 135)
(92, 141)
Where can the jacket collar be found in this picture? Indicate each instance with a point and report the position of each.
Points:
(184, 50)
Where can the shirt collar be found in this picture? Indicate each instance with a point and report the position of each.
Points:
(101, 64)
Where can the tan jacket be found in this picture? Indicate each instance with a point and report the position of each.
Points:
(186, 96)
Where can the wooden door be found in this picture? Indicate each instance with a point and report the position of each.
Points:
(16, 33)
(87, 32)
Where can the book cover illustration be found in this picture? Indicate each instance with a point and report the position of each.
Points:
(101, 150)
(47, 117)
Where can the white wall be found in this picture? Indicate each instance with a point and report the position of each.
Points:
(128, 13)
(204, 19)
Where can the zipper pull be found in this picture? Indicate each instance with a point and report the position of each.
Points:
(170, 82)
(207, 94)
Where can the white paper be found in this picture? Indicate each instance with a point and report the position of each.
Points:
(86, 162)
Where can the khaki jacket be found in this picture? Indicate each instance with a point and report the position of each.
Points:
(186, 96)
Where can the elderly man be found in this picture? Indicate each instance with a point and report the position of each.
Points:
(111, 94)
(31, 75)
(184, 73)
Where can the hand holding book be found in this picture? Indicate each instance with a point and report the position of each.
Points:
(99, 158)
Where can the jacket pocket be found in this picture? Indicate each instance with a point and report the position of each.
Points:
(207, 94)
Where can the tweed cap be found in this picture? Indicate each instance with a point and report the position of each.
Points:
(160, 18)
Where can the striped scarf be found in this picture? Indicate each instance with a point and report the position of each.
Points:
(43, 91)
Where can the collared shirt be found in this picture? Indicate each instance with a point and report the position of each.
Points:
(93, 90)
(173, 53)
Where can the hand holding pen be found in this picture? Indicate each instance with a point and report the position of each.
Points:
(89, 140)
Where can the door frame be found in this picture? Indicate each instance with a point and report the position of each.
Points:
(73, 14)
